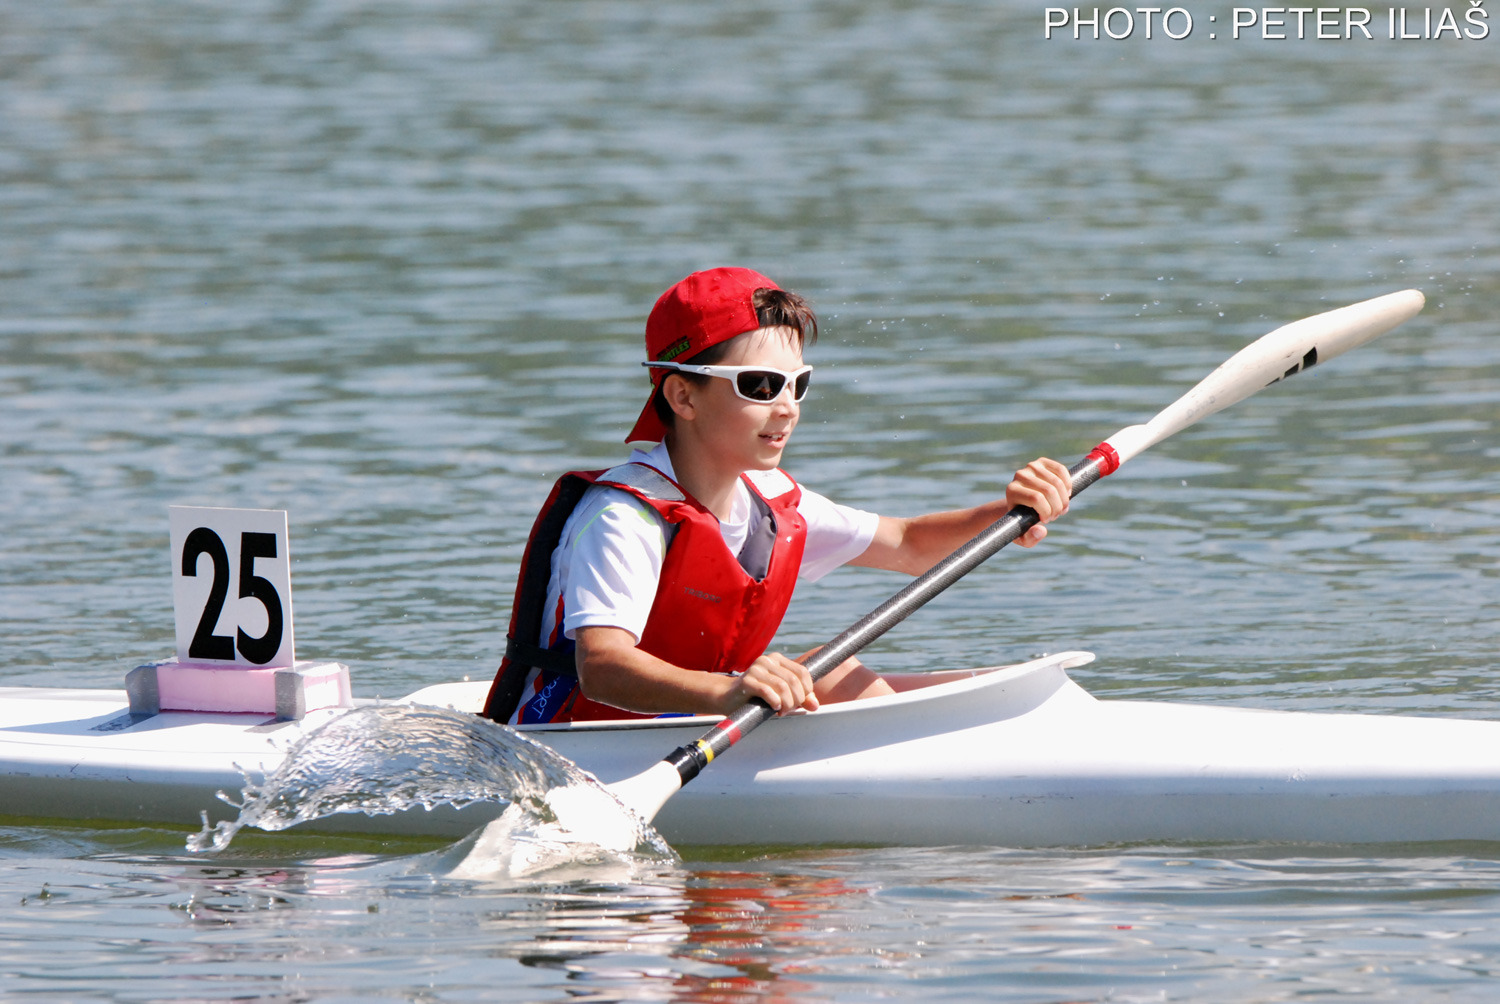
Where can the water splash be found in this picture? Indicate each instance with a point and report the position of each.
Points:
(393, 758)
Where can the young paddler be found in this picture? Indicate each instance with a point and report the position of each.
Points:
(654, 587)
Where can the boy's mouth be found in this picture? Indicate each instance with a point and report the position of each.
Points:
(775, 438)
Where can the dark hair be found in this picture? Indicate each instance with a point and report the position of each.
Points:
(774, 308)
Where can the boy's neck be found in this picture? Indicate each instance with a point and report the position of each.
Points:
(701, 477)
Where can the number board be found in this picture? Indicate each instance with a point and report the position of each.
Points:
(231, 586)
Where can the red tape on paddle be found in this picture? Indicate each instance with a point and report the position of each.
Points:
(1109, 460)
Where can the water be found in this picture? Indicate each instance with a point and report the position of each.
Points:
(386, 266)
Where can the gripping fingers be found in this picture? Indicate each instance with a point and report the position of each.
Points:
(780, 682)
(1043, 485)
(757, 686)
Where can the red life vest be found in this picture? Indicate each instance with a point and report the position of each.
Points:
(714, 611)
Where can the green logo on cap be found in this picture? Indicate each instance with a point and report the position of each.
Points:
(673, 351)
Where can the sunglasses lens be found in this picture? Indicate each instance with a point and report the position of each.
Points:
(760, 385)
(799, 389)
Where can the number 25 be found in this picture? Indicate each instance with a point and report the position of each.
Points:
(206, 644)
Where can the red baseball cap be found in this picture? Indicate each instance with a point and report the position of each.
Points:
(704, 309)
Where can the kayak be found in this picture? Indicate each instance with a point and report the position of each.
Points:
(1015, 756)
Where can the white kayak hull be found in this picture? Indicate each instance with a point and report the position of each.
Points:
(1018, 756)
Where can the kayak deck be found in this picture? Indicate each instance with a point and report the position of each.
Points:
(1025, 757)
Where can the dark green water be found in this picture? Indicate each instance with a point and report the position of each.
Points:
(386, 266)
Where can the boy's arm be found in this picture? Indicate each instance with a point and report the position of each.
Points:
(613, 671)
(915, 544)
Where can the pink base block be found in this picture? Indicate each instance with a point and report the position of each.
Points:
(288, 691)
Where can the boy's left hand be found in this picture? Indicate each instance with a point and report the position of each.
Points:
(1045, 486)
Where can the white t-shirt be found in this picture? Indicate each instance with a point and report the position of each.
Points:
(607, 565)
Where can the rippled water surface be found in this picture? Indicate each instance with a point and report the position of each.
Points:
(386, 265)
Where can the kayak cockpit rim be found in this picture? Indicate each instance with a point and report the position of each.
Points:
(979, 678)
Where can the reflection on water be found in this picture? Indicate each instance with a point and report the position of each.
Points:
(1255, 923)
(731, 935)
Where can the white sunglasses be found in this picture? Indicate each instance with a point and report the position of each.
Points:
(760, 384)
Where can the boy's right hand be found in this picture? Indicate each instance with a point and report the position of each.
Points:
(783, 684)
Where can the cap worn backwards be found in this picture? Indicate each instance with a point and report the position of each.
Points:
(701, 311)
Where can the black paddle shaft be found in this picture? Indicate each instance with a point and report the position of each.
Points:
(691, 759)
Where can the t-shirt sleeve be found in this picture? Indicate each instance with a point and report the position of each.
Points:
(615, 566)
(836, 534)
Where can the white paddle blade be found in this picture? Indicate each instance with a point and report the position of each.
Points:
(648, 791)
(1288, 350)
(589, 813)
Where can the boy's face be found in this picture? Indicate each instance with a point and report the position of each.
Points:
(746, 434)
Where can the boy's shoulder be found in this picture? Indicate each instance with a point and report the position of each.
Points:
(606, 511)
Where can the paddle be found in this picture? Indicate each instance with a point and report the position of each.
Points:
(1284, 352)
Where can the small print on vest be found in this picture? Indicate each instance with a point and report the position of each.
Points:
(700, 594)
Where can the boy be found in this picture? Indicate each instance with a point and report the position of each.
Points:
(654, 587)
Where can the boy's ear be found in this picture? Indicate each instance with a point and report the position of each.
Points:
(679, 396)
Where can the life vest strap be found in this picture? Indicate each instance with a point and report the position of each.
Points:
(531, 595)
(522, 653)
